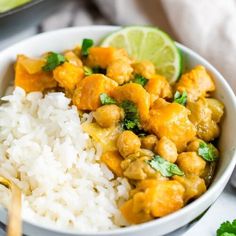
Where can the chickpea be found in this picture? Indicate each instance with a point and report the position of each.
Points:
(144, 68)
(191, 163)
(138, 169)
(120, 70)
(194, 145)
(216, 107)
(149, 141)
(108, 115)
(128, 143)
(166, 149)
(193, 184)
(208, 131)
(203, 119)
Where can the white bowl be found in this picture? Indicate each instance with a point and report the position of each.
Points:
(68, 38)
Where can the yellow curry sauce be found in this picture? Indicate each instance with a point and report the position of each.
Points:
(155, 134)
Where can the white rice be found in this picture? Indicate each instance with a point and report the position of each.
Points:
(44, 150)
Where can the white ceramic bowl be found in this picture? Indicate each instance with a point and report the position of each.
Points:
(68, 38)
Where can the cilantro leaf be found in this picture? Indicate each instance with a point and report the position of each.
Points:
(207, 151)
(166, 168)
(87, 71)
(139, 79)
(131, 119)
(228, 234)
(227, 229)
(181, 98)
(106, 100)
(53, 60)
(86, 45)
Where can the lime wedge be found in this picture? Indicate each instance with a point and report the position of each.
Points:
(149, 43)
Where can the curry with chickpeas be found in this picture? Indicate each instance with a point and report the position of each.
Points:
(156, 134)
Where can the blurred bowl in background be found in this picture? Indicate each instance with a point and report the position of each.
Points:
(25, 16)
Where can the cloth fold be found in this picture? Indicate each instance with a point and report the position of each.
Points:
(206, 26)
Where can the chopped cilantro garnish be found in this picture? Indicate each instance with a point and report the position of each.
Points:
(87, 71)
(53, 60)
(227, 229)
(207, 151)
(86, 45)
(181, 98)
(106, 100)
(131, 119)
(166, 168)
(139, 79)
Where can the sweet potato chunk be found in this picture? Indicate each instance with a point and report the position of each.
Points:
(106, 137)
(73, 58)
(153, 198)
(68, 75)
(191, 163)
(29, 76)
(104, 56)
(171, 120)
(170, 194)
(133, 216)
(135, 93)
(144, 68)
(87, 93)
(31, 65)
(197, 83)
(158, 87)
(120, 71)
(113, 160)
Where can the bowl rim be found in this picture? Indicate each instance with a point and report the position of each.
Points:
(22, 7)
(212, 191)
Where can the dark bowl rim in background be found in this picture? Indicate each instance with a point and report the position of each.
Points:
(20, 8)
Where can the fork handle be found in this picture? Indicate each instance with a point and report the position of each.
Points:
(14, 227)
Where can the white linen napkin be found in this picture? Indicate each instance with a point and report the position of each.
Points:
(209, 28)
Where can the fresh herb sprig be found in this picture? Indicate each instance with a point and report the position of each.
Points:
(207, 151)
(131, 115)
(131, 119)
(181, 98)
(227, 229)
(53, 60)
(166, 168)
(86, 45)
(139, 79)
(107, 100)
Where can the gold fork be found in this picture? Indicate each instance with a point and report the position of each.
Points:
(14, 227)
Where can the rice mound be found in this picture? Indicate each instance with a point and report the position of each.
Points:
(44, 150)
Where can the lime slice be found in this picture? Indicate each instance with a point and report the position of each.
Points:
(149, 43)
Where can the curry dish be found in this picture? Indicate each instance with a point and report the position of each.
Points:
(156, 134)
